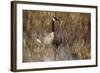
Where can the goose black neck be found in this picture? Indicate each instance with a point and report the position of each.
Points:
(53, 25)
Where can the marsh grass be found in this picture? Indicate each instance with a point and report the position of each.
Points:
(72, 31)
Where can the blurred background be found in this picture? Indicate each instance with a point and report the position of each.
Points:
(72, 36)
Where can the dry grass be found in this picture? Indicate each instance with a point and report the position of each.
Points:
(72, 31)
(81, 50)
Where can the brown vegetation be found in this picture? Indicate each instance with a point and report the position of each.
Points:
(72, 30)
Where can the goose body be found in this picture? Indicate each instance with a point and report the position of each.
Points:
(48, 38)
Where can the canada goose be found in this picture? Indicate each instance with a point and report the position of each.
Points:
(48, 37)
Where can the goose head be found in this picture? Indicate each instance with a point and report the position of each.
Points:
(53, 23)
(54, 19)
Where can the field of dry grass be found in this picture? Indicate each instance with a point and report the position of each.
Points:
(72, 31)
